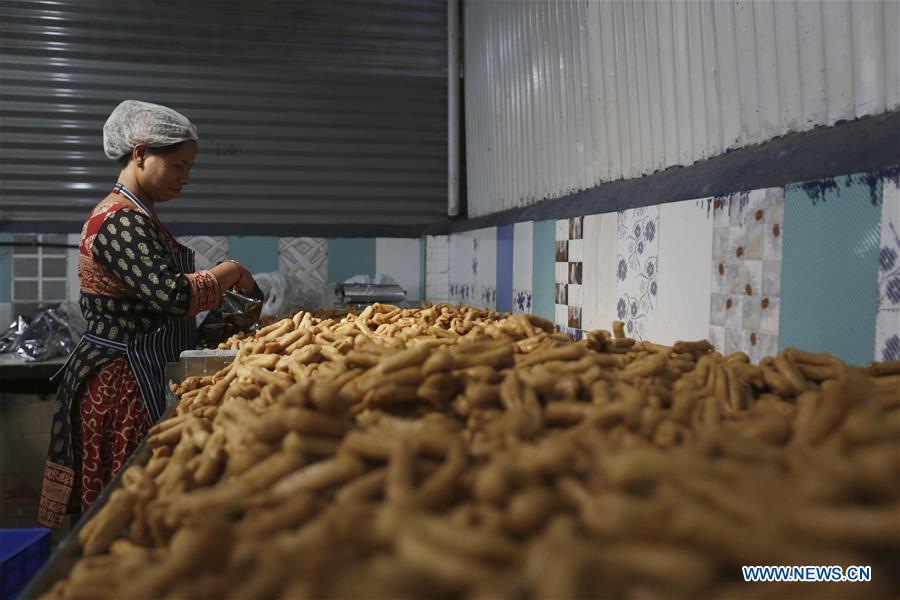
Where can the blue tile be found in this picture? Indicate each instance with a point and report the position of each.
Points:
(350, 256)
(543, 268)
(258, 254)
(829, 277)
(5, 270)
(504, 267)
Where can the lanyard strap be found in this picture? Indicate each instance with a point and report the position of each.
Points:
(121, 189)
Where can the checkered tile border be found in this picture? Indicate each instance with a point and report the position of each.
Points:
(569, 273)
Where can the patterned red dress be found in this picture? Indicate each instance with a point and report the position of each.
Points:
(131, 288)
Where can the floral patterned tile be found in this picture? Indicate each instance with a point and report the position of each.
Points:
(768, 320)
(717, 337)
(487, 296)
(521, 301)
(746, 271)
(887, 330)
(462, 293)
(733, 340)
(637, 262)
(725, 311)
(761, 345)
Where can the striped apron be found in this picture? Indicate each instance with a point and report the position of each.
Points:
(148, 354)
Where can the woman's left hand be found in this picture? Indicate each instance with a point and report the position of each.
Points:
(246, 283)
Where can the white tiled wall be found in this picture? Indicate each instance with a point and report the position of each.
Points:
(462, 268)
(485, 249)
(523, 255)
(685, 251)
(437, 268)
(473, 267)
(599, 282)
(399, 259)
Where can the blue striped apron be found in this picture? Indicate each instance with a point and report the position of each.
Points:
(148, 354)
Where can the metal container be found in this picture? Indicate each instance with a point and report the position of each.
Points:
(195, 362)
(367, 293)
(191, 363)
(69, 551)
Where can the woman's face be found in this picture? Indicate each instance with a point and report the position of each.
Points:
(163, 175)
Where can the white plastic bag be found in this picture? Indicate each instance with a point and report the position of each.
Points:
(285, 294)
(377, 279)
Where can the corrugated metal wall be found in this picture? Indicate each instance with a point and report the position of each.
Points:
(564, 95)
(308, 112)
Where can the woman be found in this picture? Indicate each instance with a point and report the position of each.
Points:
(139, 295)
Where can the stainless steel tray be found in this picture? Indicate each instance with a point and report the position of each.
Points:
(203, 362)
(195, 362)
(69, 551)
(191, 362)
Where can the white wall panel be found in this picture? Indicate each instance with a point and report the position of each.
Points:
(892, 51)
(838, 44)
(868, 56)
(563, 95)
(437, 268)
(399, 258)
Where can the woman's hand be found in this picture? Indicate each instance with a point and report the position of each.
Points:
(232, 274)
(246, 283)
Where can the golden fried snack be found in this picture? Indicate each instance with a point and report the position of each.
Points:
(96, 536)
(456, 452)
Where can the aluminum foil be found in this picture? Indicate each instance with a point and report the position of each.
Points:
(50, 333)
(13, 336)
(236, 312)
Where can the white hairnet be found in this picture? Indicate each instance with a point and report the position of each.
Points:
(134, 122)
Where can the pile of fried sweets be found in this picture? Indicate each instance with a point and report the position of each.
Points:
(452, 452)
